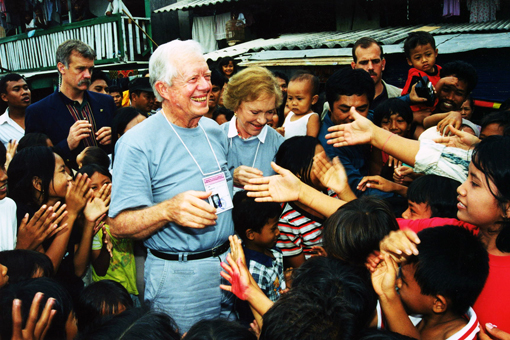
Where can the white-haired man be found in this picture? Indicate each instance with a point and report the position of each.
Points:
(166, 169)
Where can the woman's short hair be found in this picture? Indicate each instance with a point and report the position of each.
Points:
(249, 85)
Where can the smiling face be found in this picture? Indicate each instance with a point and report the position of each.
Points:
(340, 113)
(452, 97)
(477, 205)
(17, 94)
(253, 116)
(423, 58)
(60, 181)
(369, 59)
(228, 69)
(300, 98)
(77, 75)
(396, 124)
(3, 182)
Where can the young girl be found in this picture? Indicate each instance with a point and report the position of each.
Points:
(125, 119)
(484, 200)
(302, 93)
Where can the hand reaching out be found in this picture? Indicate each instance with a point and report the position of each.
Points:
(35, 327)
(331, 174)
(360, 131)
(237, 274)
(283, 187)
(400, 244)
(460, 139)
(11, 151)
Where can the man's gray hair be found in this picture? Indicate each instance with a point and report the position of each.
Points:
(65, 50)
(162, 64)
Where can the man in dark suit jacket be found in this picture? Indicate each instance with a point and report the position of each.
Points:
(73, 118)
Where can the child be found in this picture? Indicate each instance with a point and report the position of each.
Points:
(421, 53)
(440, 283)
(93, 155)
(257, 225)
(302, 93)
(26, 264)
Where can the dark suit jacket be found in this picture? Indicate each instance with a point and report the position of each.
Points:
(51, 117)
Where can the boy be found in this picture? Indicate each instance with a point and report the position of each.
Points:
(440, 283)
(421, 53)
(302, 93)
(257, 225)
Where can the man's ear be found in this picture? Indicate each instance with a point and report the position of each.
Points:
(383, 64)
(163, 89)
(3, 96)
(440, 304)
(353, 65)
(250, 234)
(37, 183)
(61, 67)
(315, 99)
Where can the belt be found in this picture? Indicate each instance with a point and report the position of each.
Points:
(195, 256)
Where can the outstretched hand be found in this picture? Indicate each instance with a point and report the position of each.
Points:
(35, 327)
(331, 174)
(237, 274)
(360, 131)
(400, 244)
(283, 187)
(460, 139)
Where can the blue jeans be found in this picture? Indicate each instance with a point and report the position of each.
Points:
(188, 291)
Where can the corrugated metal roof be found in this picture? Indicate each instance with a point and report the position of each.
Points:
(187, 4)
(338, 40)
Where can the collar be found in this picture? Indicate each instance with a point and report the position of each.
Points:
(67, 100)
(232, 131)
(4, 118)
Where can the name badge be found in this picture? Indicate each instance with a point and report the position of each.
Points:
(220, 197)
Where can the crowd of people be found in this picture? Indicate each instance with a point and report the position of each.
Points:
(217, 203)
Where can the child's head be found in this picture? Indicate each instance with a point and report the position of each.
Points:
(98, 175)
(34, 139)
(63, 323)
(93, 155)
(354, 231)
(420, 50)
(3, 172)
(495, 123)
(26, 264)
(282, 79)
(99, 299)
(228, 67)
(37, 176)
(214, 329)
(431, 196)
(296, 154)
(448, 274)
(394, 115)
(302, 92)
(484, 198)
(468, 108)
(256, 222)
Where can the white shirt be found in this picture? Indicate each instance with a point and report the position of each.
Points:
(9, 129)
(8, 224)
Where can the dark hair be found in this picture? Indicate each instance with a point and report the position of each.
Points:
(416, 39)
(491, 156)
(32, 139)
(452, 262)
(354, 231)
(122, 118)
(281, 75)
(502, 118)
(296, 154)
(218, 79)
(115, 88)
(100, 299)
(381, 334)
(23, 264)
(7, 78)
(98, 74)
(440, 193)
(95, 155)
(91, 169)
(309, 77)
(3, 156)
(36, 161)
(349, 82)
(248, 214)
(334, 278)
(133, 324)
(218, 329)
(390, 107)
(25, 291)
(224, 62)
(463, 71)
(365, 42)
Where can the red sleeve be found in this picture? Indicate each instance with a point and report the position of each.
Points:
(412, 73)
(419, 225)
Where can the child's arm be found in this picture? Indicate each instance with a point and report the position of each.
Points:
(384, 280)
(313, 126)
(442, 120)
(380, 183)
(101, 257)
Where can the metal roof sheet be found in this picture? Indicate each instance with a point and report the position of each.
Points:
(387, 36)
(187, 4)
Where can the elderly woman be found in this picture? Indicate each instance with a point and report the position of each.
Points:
(253, 94)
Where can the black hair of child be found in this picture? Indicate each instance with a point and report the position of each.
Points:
(309, 77)
(25, 291)
(134, 324)
(218, 79)
(418, 38)
(219, 329)
(281, 75)
(491, 156)
(439, 192)
(463, 71)
(354, 231)
(452, 262)
(502, 118)
(390, 107)
(91, 169)
(32, 139)
(23, 264)
(96, 155)
(381, 334)
(332, 277)
(349, 82)
(100, 299)
(248, 214)
(296, 155)
(3, 155)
